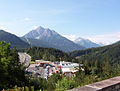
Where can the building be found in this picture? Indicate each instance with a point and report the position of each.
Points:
(45, 69)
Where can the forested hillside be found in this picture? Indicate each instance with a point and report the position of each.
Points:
(50, 54)
(98, 64)
(103, 61)
(111, 53)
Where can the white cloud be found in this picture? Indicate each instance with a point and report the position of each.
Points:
(106, 39)
(27, 19)
(71, 37)
(3, 28)
(34, 27)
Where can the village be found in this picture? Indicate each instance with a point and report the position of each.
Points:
(44, 69)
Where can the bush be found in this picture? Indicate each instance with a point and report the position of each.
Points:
(65, 84)
(38, 83)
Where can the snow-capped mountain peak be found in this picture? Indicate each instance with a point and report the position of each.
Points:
(51, 39)
(85, 42)
(40, 32)
(81, 41)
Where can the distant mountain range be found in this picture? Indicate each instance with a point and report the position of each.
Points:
(13, 40)
(86, 43)
(44, 37)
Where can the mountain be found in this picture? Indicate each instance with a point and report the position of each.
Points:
(86, 43)
(110, 53)
(46, 37)
(12, 39)
(37, 42)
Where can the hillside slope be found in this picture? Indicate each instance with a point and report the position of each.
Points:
(110, 52)
(12, 39)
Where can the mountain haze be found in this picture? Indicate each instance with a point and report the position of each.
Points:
(51, 39)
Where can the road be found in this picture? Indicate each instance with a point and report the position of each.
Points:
(24, 58)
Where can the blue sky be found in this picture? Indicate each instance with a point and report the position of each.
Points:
(82, 18)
